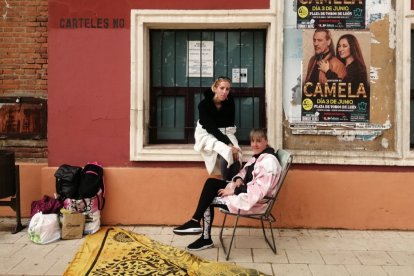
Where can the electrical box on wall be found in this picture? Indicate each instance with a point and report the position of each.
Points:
(23, 118)
(239, 75)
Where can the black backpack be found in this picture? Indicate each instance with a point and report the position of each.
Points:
(67, 181)
(91, 180)
(77, 183)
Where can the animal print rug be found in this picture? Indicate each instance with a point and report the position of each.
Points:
(115, 251)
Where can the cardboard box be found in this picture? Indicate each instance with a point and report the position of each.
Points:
(72, 226)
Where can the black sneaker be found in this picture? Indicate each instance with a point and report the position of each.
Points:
(200, 244)
(191, 227)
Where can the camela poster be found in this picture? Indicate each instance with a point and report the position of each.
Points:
(331, 14)
(335, 76)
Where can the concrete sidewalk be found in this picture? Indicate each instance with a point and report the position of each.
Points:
(300, 252)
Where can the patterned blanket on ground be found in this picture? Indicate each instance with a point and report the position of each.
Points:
(115, 251)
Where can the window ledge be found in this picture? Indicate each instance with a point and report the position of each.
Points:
(176, 152)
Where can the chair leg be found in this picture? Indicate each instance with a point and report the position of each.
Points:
(221, 234)
(273, 247)
(227, 252)
(232, 238)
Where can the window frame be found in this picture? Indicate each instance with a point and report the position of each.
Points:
(404, 56)
(144, 20)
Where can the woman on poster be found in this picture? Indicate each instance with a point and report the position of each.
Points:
(349, 52)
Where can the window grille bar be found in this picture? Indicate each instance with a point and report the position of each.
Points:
(253, 75)
(175, 80)
(240, 66)
(162, 77)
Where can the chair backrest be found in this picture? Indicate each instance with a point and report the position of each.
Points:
(285, 160)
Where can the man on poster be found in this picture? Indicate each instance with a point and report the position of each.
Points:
(324, 53)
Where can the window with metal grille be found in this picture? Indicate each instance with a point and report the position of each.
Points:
(177, 87)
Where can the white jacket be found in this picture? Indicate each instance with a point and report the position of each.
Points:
(209, 146)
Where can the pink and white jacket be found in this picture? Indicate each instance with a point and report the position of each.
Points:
(266, 174)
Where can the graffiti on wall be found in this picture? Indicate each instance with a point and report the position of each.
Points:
(91, 23)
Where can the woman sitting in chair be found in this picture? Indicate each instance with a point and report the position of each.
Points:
(255, 180)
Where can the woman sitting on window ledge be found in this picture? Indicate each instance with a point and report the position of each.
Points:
(215, 131)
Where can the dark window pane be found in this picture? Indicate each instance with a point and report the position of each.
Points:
(170, 118)
(175, 92)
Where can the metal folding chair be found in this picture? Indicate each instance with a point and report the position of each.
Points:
(285, 160)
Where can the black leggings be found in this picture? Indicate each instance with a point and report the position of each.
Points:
(230, 172)
(207, 202)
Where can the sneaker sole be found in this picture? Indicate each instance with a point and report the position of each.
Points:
(191, 231)
(201, 248)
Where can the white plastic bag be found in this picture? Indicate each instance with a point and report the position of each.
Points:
(44, 228)
(92, 222)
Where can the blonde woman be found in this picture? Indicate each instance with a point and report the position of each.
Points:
(215, 132)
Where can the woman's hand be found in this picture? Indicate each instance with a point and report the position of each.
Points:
(323, 65)
(235, 152)
(225, 192)
(238, 182)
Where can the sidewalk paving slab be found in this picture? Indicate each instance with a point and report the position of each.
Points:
(313, 252)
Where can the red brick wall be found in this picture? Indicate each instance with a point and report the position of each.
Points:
(23, 62)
